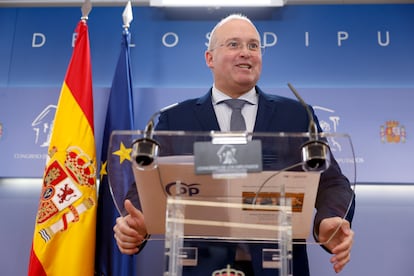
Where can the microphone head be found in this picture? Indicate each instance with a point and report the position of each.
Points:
(145, 151)
(315, 156)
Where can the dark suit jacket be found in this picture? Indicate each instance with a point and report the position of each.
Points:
(274, 114)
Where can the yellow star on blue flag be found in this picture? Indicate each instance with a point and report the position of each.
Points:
(123, 153)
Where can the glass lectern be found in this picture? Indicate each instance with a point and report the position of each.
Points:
(243, 196)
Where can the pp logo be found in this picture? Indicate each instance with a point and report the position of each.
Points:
(180, 188)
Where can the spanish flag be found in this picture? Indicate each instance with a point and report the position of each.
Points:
(64, 234)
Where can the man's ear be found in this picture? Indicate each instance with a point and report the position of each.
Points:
(209, 59)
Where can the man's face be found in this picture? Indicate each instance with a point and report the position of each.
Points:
(235, 64)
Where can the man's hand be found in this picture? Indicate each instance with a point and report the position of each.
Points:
(337, 236)
(130, 231)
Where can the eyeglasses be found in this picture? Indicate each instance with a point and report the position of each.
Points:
(234, 45)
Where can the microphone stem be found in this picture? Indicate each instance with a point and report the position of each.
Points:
(149, 128)
(313, 130)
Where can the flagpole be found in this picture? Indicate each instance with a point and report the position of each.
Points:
(127, 18)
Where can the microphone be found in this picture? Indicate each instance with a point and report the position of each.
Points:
(315, 152)
(145, 150)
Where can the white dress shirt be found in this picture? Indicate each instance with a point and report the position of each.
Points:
(223, 112)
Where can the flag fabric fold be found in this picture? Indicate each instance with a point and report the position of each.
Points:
(109, 260)
(64, 234)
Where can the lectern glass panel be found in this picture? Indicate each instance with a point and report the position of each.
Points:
(243, 196)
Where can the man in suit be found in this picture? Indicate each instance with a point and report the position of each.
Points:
(234, 57)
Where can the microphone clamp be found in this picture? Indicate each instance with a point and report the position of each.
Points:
(144, 151)
(315, 155)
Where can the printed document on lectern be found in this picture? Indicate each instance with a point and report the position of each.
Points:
(175, 175)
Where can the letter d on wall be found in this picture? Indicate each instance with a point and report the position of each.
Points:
(38, 40)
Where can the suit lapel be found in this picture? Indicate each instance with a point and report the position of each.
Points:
(205, 114)
(266, 110)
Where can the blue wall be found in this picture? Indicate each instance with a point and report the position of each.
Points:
(353, 63)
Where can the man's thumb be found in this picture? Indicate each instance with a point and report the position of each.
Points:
(130, 208)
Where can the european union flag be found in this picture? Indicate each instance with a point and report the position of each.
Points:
(109, 260)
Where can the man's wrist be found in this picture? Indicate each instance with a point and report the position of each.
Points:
(143, 243)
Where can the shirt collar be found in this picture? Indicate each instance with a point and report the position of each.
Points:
(218, 96)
